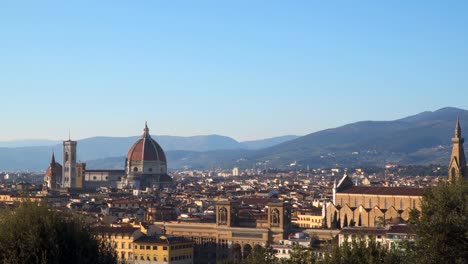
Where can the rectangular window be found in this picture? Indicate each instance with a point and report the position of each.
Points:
(164, 248)
(148, 247)
(155, 247)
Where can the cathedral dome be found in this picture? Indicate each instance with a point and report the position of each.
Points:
(146, 149)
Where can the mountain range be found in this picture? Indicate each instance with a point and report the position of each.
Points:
(424, 138)
(17, 155)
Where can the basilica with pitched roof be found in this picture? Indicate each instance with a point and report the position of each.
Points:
(379, 206)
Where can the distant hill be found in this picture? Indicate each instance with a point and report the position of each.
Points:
(422, 138)
(99, 149)
(180, 159)
(419, 139)
(268, 142)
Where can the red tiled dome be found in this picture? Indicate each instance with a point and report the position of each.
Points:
(146, 149)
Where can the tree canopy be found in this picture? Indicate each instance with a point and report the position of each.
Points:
(441, 226)
(32, 233)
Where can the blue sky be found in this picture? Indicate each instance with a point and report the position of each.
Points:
(245, 69)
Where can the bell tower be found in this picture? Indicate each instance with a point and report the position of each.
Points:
(457, 166)
(227, 213)
(69, 164)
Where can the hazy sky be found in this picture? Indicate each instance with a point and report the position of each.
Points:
(245, 69)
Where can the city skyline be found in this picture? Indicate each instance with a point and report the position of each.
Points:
(244, 70)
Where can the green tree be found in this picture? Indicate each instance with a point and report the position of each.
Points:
(301, 255)
(261, 255)
(441, 226)
(361, 250)
(32, 233)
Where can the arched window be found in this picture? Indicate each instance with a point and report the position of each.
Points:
(222, 216)
(135, 169)
(275, 217)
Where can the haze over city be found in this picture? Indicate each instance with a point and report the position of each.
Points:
(246, 69)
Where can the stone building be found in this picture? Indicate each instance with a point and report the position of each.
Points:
(377, 206)
(370, 206)
(234, 232)
(147, 246)
(145, 169)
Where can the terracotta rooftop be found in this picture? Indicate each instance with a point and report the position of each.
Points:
(405, 191)
(162, 239)
(115, 230)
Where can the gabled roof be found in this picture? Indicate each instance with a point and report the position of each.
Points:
(403, 191)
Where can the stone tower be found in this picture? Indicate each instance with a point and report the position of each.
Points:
(69, 164)
(279, 219)
(227, 213)
(457, 166)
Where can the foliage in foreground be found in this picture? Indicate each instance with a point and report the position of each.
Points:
(32, 233)
(442, 225)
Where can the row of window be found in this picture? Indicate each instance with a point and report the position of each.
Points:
(149, 247)
(135, 169)
(308, 225)
(148, 257)
(122, 245)
(316, 220)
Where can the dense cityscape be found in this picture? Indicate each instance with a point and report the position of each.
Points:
(152, 216)
(233, 132)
